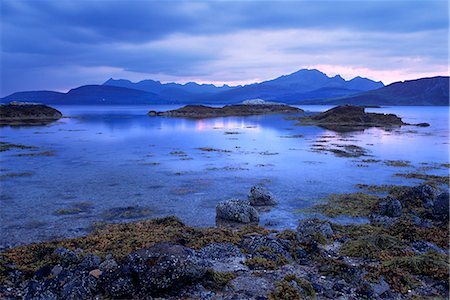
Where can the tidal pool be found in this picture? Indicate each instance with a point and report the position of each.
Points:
(115, 164)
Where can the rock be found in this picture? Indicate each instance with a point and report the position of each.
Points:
(422, 195)
(219, 251)
(390, 207)
(422, 125)
(259, 196)
(65, 256)
(251, 287)
(313, 229)
(381, 287)
(56, 270)
(426, 193)
(349, 117)
(237, 211)
(441, 207)
(96, 273)
(21, 113)
(36, 291)
(120, 288)
(108, 266)
(80, 286)
(223, 257)
(202, 111)
(90, 262)
(166, 266)
(267, 247)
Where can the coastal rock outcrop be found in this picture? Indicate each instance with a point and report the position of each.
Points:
(441, 206)
(309, 230)
(202, 111)
(24, 113)
(349, 117)
(390, 207)
(166, 266)
(259, 196)
(237, 211)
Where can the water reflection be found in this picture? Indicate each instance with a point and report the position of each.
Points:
(117, 157)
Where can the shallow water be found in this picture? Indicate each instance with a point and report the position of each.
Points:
(110, 156)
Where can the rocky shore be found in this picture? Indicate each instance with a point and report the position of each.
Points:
(349, 117)
(202, 111)
(23, 113)
(401, 253)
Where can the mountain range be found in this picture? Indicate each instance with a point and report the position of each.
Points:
(302, 87)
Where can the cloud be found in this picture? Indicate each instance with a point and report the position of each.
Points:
(62, 44)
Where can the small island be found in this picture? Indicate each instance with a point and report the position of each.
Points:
(25, 113)
(236, 110)
(349, 117)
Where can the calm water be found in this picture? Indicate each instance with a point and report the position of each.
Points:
(112, 157)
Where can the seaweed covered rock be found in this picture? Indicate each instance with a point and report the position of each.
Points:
(417, 196)
(65, 256)
(259, 196)
(267, 247)
(202, 111)
(22, 113)
(309, 230)
(237, 211)
(349, 117)
(390, 207)
(166, 266)
(441, 207)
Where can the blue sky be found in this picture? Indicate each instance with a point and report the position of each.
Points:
(58, 45)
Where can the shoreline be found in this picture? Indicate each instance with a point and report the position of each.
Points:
(319, 259)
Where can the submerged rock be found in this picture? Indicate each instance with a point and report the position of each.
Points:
(22, 113)
(390, 207)
(237, 211)
(202, 111)
(259, 196)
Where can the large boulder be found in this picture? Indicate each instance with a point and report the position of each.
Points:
(309, 230)
(259, 196)
(166, 267)
(237, 211)
(441, 207)
(390, 207)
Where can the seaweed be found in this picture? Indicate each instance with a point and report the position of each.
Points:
(355, 205)
(292, 287)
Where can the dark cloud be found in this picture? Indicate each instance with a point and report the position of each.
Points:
(183, 40)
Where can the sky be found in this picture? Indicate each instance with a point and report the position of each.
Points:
(59, 44)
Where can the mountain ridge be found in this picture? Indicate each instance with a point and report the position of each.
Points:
(305, 86)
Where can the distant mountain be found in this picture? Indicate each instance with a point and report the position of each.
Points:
(47, 97)
(301, 85)
(171, 90)
(89, 95)
(424, 91)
